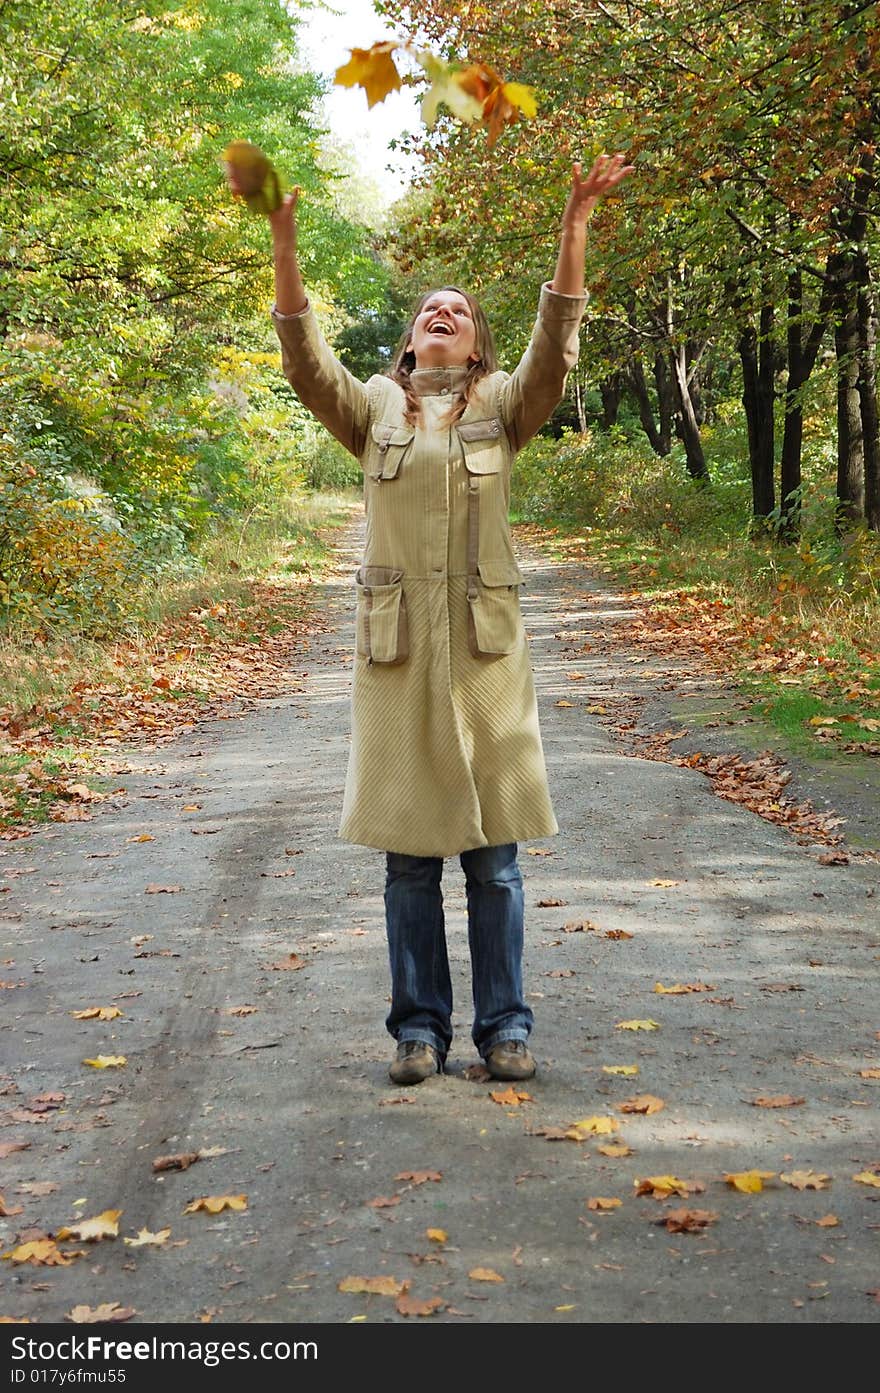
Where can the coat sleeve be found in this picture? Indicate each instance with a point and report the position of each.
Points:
(326, 388)
(537, 384)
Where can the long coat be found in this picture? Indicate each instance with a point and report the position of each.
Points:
(446, 752)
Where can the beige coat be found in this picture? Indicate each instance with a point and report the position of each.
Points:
(446, 751)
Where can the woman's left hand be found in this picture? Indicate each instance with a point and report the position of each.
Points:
(607, 172)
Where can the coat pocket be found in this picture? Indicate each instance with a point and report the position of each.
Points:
(387, 448)
(382, 630)
(482, 444)
(494, 619)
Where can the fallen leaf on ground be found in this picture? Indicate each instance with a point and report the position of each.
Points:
(181, 1162)
(292, 963)
(749, 1182)
(192, 807)
(383, 1201)
(779, 1100)
(868, 1178)
(614, 1148)
(538, 851)
(626, 1069)
(637, 1025)
(510, 1097)
(595, 1127)
(617, 934)
(436, 1235)
(107, 1061)
(805, 1180)
(109, 1311)
(37, 1187)
(162, 889)
(660, 1187)
(8, 1210)
(569, 704)
(8, 1147)
(644, 1103)
(551, 904)
(580, 926)
(214, 1204)
(477, 1073)
(833, 858)
(104, 1225)
(828, 1221)
(97, 1013)
(869, 1073)
(419, 1177)
(603, 1204)
(663, 884)
(687, 1220)
(683, 988)
(240, 1010)
(376, 1286)
(43, 1252)
(146, 1239)
(484, 1274)
(411, 1306)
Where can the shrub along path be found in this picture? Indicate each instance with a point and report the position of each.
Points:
(699, 1143)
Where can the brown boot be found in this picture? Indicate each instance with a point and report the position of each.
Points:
(510, 1059)
(414, 1062)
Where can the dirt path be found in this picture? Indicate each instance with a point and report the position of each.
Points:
(666, 883)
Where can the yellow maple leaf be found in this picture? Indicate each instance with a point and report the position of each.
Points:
(43, 1252)
(662, 1186)
(613, 1148)
(373, 69)
(626, 1069)
(146, 1239)
(868, 1178)
(214, 1204)
(104, 1225)
(637, 1025)
(523, 99)
(484, 1274)
(107, 1061)
(749, 1182)
(97, 1013)
(378, 1286)
(436, 1235)
(594, 1127)
(510, 1097)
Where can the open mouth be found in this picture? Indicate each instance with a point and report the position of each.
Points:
(441, 327)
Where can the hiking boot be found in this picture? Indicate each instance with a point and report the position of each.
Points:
(414, 1062)
(510, 1059)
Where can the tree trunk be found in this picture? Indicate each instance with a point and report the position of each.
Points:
(610, 389)
(639, 388)
(850, 457)
(760, 456)
(665, 402)
(867, 389)
(688, 427)
(579, 402)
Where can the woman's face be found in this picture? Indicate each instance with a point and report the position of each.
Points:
(444, 334)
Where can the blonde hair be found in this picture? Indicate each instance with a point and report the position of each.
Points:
(404, 359)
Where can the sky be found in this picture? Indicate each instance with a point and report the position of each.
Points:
(325, 37)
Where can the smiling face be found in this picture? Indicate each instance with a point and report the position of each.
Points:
(443, 333)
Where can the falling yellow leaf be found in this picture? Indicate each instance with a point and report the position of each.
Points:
(645, 1103)
(626, 1069)
(107, 1061)
(868, 1178)
(805, 1180)
(109, 1311)
(749, 1182)
(436, 1235)
(603, 1205)
(510, 1097)
(484, 1274)
(43, 1252)
(660, 1187)
(104, 1225)
(377, 1286)
(97, 1013)
(373, 69)
(145, 1239)
(637, 1025)
(214, 1204)
(594, 1127)
(614, 1148)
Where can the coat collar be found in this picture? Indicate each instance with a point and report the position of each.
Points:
(436, 382)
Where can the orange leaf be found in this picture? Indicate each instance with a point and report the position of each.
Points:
(682, 988)
(419, 1177)
(637, 1025)
(829, 1221)
(215, 1204)
(104, 1225)
(383, 1202)
(580, 926)
(869, 1073)
(617, 934)
(436, 1235)
(780, 1100)
(180, 1162)
(660, 1187)
(602, 1205)
(613, 1148)
(376, 1286)
(373, 69)
(292, 963)
(642, 1103)
(687, 1220)
(510, 1097)
(97, 1013)
(43, 1252)
(484, 1274)
(411, 1306)
(805, 1180)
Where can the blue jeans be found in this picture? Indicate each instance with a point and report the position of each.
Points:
(421, 990)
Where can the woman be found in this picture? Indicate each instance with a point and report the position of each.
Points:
(446, 755)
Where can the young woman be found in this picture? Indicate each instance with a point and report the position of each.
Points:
(446, 757)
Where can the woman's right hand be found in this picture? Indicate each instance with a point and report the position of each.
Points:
(283, 222)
